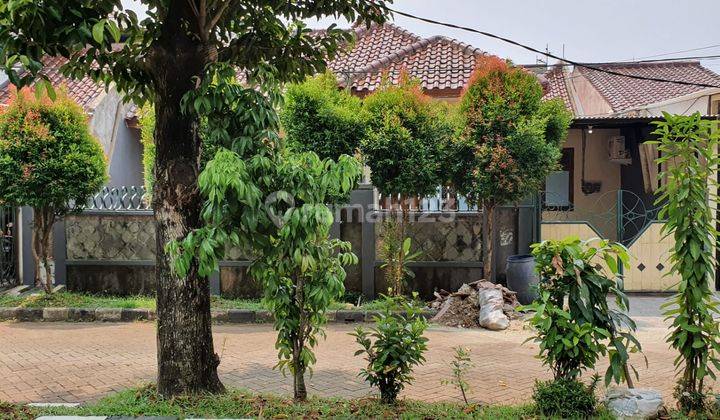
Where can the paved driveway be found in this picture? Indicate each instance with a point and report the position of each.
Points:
(76, 362)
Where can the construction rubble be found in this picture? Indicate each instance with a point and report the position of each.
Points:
(479, 304)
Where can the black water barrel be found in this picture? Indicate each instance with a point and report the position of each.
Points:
(521, 277)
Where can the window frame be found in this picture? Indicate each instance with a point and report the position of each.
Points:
(567, 164)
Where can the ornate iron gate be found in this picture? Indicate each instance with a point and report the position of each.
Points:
(8, 260)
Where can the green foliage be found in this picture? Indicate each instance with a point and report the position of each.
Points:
(461, 365)
(301, 269)
(319, 117)
(48, 158)
(146, 119)
(397, 348)
(688, 146)
(242, 35)
(566, 398)
(395, 251)
(573, 323)
(406, 130)
(511, 139)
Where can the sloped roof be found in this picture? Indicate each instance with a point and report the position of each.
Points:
(439, 63)
(554, 83)
(623, 93)
(84, 91)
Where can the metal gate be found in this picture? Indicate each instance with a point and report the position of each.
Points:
(8, 260)
(618, 215)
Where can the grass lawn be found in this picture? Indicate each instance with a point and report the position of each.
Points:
(80, 300)
(240, 404)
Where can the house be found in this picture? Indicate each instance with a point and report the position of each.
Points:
(604, 188)
(107, 118)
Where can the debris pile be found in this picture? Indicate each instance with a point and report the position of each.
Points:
(462, 308)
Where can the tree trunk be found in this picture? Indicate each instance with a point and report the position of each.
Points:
(299, 389)
(488, 228)
(43, 221)
(298, 342)
(187, 363)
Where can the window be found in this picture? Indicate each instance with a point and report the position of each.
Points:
(559, 184)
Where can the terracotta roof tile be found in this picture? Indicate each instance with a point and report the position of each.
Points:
(439, 62)
(83, 91)
(555, 85)
(623, 93)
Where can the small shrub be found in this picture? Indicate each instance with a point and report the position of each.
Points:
(398, 347)
(573, 322)
(565, 398)
(461, 364)
(395, 251)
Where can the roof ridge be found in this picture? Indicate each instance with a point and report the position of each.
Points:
(679, 63)
(416, 46)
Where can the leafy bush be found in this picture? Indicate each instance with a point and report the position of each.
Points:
(573, 323)
(688, 145)
(320, 117)
(50, 161)
(509, 144)
(397, 348)
(406, 130)
(565, 398)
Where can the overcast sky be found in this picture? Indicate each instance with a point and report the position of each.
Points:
(599, 30)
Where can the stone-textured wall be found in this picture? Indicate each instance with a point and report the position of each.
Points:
(451, 237)
(110, 237)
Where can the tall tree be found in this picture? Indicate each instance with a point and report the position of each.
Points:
(165, 58)
(510, 141)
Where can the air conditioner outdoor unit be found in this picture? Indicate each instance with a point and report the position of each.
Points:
(617, 151)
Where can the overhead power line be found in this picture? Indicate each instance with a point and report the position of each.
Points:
(548, 54)
(682, 51)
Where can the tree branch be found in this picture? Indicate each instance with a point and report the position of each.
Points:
(218, 15)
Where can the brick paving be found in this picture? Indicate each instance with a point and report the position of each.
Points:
(80, 362)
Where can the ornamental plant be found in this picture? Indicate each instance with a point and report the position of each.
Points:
(403, 149)
(688, 147)
(49, 161)
(393, 347)
(573, 323)
(317, 116)
(301, 269)
(168, 58)
(509, 144)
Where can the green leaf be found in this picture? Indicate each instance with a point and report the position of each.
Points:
(98, 30)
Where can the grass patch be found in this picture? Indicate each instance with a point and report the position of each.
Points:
(240, 404)
(77, 300)
(81, 300)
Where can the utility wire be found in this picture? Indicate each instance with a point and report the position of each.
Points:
(548, 54)
(682, 51)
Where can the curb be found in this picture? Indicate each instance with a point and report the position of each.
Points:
(219, 316)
